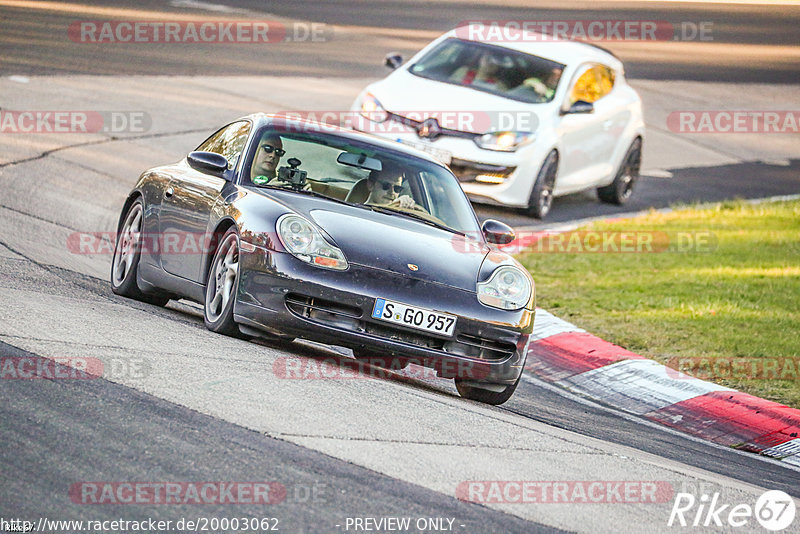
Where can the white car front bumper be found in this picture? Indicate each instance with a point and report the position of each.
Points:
(486, 176)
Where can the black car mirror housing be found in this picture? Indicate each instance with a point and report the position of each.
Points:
(579, 107)
(393, 60)
(208, 163)
(497, 233)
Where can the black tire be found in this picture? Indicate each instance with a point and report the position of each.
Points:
(541, 198)
(495, 398)
(620, 190)
(222, 283)
(127, 252)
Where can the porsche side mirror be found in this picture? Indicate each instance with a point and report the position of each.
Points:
(579, 107)
(393, 60)
(208, 163)
(497, 232)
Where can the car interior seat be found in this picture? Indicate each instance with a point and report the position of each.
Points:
(359, 193)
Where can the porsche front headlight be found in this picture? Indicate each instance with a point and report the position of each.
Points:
(305, 242)
(509, 288)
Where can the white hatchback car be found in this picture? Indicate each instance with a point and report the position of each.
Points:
(518, 122)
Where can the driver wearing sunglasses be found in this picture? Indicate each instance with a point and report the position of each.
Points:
(385, 188)
(268, 155)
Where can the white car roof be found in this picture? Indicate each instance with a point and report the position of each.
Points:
(566, 52)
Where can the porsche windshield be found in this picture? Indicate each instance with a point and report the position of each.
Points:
(347, 170)
(491, 69)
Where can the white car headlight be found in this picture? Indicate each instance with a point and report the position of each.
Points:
(508, 289)
(503, 141)
(305, 242)
(371, 109)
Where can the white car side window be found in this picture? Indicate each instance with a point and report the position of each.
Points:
(593, 82)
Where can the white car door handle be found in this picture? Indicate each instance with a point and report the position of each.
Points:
(607, 124)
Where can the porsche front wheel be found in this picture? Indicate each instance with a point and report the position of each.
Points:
(221, 284)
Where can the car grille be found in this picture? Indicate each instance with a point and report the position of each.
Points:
(487, 349)
(405, 336)
(415, 125)
(472, 171)
(331, 313)
(324, 311)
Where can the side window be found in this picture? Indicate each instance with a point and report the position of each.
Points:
(605, 79)
(229, 141)
(593, 84)
(446, 59)
(440, 205)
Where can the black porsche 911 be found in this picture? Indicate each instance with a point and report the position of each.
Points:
(286, 228)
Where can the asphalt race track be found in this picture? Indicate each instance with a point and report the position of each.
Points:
(179, 404)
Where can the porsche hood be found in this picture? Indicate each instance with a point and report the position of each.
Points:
(396, 245)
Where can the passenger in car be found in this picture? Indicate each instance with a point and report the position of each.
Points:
(545, 84)
(489, 74)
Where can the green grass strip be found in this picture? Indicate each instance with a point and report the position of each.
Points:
(713, 290)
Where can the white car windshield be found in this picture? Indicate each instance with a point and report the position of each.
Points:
(491, 69)
(346, 170)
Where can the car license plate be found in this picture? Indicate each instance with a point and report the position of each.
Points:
(414, 317)
(445, 156)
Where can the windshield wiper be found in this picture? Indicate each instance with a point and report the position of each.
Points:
(412, 215)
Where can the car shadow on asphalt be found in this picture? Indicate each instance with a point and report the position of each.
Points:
(309, 360)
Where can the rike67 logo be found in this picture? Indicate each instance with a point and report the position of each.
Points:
(774, 510)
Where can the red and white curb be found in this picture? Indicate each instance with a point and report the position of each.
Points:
(565, 355)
